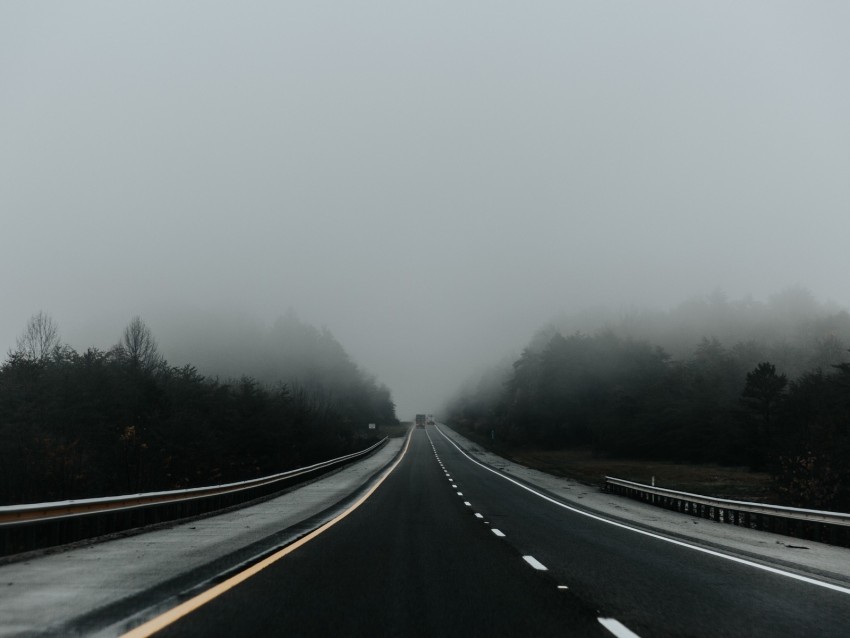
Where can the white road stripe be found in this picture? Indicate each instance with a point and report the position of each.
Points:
(477, 515)
(696, 548)
(460, 493)
(617, 628)
(467, 503)
(536, 564)
(497, 532)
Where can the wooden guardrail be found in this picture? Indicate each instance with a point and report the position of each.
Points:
(40, 525)
(817, 525)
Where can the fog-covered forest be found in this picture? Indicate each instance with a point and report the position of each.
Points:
(738, 382)
(124, 420)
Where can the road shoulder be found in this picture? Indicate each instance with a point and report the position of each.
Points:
(44, 595)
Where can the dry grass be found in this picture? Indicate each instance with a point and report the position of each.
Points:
(710, 480)
(583, 465)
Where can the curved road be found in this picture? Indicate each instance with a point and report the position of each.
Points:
(448, 547)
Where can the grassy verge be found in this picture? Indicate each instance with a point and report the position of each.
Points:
(393, 431)
(583, 465)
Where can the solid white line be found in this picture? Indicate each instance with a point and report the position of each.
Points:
(497, 532)
(536, 564)
(617, 628)
(696, 548)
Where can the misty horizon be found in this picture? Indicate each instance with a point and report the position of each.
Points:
(229, 345)
(431, 183)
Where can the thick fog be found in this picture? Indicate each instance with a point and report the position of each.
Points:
(430, 181)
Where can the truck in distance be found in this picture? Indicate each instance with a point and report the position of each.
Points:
(420, 420)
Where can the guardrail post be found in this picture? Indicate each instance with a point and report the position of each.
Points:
(829, 527)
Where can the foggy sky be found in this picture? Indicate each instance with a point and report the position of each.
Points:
(431, 181)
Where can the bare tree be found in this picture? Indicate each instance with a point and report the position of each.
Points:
(40, 338)
(139, 346)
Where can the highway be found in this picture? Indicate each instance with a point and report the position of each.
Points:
(423, 539)
(412, 560)
(447, 547)
(652, 586)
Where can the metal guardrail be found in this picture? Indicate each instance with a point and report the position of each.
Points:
(818, 525)
(40, 525)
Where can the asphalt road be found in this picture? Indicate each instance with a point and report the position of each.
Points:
(652, 586)
(413, 560)
(446, 547)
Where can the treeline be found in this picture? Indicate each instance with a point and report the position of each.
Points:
(626, 396)
(790, 328)
(97, 423)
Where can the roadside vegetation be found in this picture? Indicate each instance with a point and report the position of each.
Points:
(773, 396)
(394, 431)
(98, 423)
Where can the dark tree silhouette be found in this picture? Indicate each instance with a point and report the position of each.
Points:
(139, 346)
(40, 338)
(763, 392)
(100, 423)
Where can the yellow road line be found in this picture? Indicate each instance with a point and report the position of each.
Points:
(173, 615)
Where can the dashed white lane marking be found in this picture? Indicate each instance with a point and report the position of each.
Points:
(562, 587)
(710, 552)
(536, 564)
(454, 486)
(467, 503)
(460, 493)
(477, 515)
(497, 532)
(617, 628)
